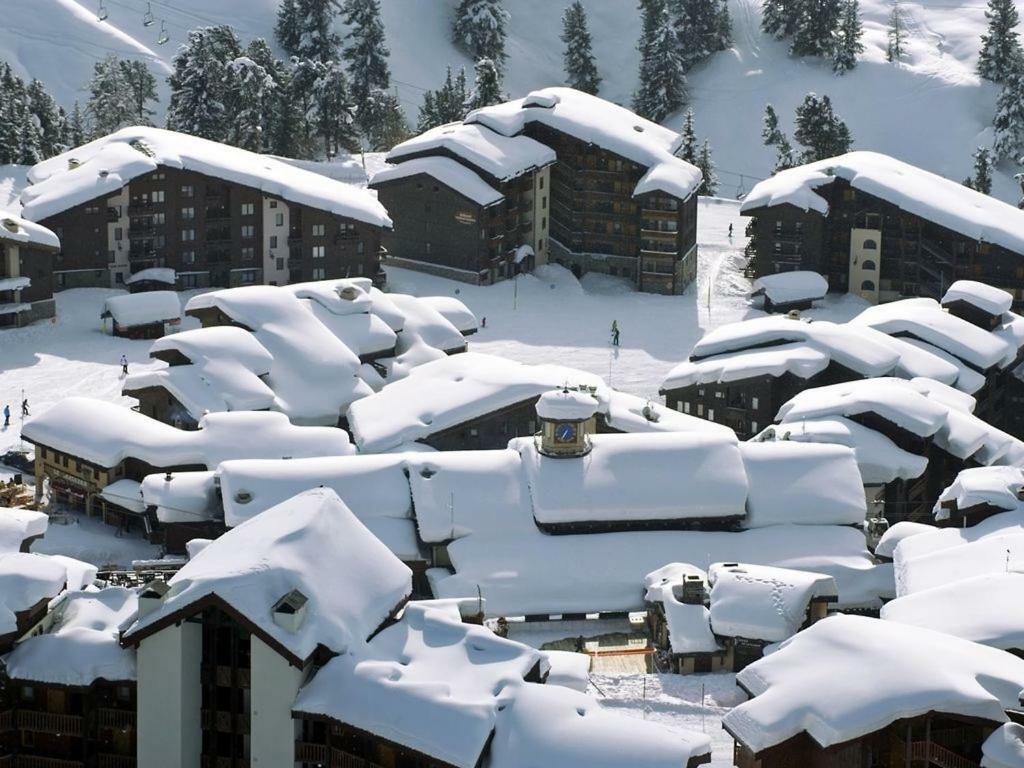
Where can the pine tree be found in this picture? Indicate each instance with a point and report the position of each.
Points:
(487, 86)
(778, 17)
(48, 118)
(820, 130)
(202, 102)
(702, 27)
(480, 28)
(365, 49)
(707, 169)
(1000, 49)
(816, 23)
(848, 43)
(427, 117)
(688, 139)
(315, 24)
(286, 30)
(275, 94)
(723, 37)
(578, 56)
(982, 179)
(1009, 119)
(774, 137)
(289, 131)
(11, 111)
(333, 112)
(662, 79)
(897, 35)
(141, 88)
(74, 128)
(28, 142)
(387, 120)
(252, 87)
(109, 105)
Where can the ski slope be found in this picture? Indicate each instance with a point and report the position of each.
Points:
(932, 110)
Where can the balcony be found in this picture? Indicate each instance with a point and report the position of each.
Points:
(141, 230)
(118, 719)
(115, 761)
(227, 677)
(45, 722)
(31, 761)
(6, 721)
(218, 235)
(341, 759)
(141, 207)
(225, 722)
(306, 752)
(217, 214)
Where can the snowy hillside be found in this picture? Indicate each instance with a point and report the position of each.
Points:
(931, 111)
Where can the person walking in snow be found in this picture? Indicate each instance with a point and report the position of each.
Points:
(124, 365)
(24, 408)
(7, 416)
(615, 333)
(730, 230)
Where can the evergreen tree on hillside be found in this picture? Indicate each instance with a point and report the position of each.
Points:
(778, 17)
(12, 109)
(820, 130)
(578, 56)
(286, 29)
(982, 178)
(480, 28)
(333, 112)
(252, 88)
(1000, 49)
(848, 38)
(200, 86)
(447, 104)
(1009, 118)
(316, 39)
(385, 118)
(28, 142)
(816, 25)
(275, 94)
(486, 86)
(897, 35)
(109, 105)
(776, 138)
(703, 27)
(427, 117)
(141, 87)
(297, 112)
(48, 117)
(662, 79)
(75, 131)
(688, 139)
(365, 49)
(707, 169)
(724, 30)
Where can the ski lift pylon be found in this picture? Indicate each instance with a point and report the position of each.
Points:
(147, 17)
(101, 14)
(163, 34)
(741, 190)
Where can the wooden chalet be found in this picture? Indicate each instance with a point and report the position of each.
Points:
(26, 271)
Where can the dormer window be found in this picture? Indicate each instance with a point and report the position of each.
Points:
(290, 611)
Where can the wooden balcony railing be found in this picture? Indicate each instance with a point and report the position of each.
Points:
(45, 722)
(115, 761)
(341, 759)
(305, 752)
(225, 722)
(939, 755)
(121, 719)
(6, 723)
(31, 761)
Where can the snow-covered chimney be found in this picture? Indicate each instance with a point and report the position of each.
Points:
(290, 611)
(151, 597)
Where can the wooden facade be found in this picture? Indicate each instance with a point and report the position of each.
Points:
(23, 305)
(213, 233)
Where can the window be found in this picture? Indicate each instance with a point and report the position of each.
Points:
(273, 203)
(867, 285)
(544, 222)
(868, 264)
(189, 281)
(541, 182)
(426, 247)
(319, 230)
(119, 278)
(319, 273)
(188, 235)
(273, 241)
(318, 251)
(248, 232)
(686, 406)
(280, 264)
(248, 209)
(118, 233)
(540, 244)
(870, 245)
(159, 176)
(158, 195)
(247, 276)
(753, 427)
(188, 257)
(278, 219)
(700, 409)
(28, 693)
(188, 214)
(359, 247)
(711, 414)
(159, 219)
(248, 253)
(753, 402)
(187, 190)
(544, 201)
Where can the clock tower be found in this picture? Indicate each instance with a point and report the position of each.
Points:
(566, 422)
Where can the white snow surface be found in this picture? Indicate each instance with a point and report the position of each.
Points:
(999, 487)
(985, 297)
(155, 274)
(566, 405)
(110, 162)
(568, 669)
(789, 287)
(452, 174)
(454, 311)
(1004, 748)
(847, 676)
(15, 229)
(26, 578)
(132, 309)
(914, 190)
(689, 624)
(83, 645)
(253, 566)
(896, 534)
(798, 358)
(17, 525)
(186, 497)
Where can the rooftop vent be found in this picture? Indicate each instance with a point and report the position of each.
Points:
(73, 163)
(793, 314)
(638, 128)
(290, 611)
(10, 225)
(143, 147)
(152, 596)
(104, 173)
(349, 293)
(243, 497)
(1020, 492)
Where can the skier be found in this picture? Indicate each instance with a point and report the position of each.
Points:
(483, 321)
(124, 365)
(7, 416)
(24, 408)
(615, 333)
(730, 230)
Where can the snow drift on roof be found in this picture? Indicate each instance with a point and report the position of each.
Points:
(83, 645)
(1004, 748)
(108, 163)
(1000, 487)
(942, 201)
(18, 525)
(454, 311)
(566, 404)
(799, 359)
(595, 121)
(998, 552)
(758, 602)
(848, 676)
(181, 497)
(21, 231)
(629, 413)
(893, 536)
(453, 175)
(503, 157)
(345, 307)
(689, 624)
(133, 309)
(987, 298)
(155, 274)
(791, 287)
(427, 323)
(27, 578)
(252, 567)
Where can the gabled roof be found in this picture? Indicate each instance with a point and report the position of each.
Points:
(452, 174)
(103, 166)
(15, 229)
(134, 309)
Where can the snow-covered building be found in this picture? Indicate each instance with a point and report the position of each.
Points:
(788, 291)
(143, 198)
(883, 229)
(853, 690)
(26, 270)
(147, 315)
(19, 528)
(559, 176)
(151, 279)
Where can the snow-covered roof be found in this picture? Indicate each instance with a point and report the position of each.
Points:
(568, 669)
(286, 550)
(454, 311)
(791, 287)
(759, 602)
(629, 413)
(133, 309)
(892, 538)
(15, 229)
(803, 483)
(879, 459)
(125, 493)
(180, 497)
(914, 190)
(985, 609)
(987, 298)
(799, 359)
(18, 525)
(848, 676)
(567, 405)
(106, 434)
(26, 579)
(314, 375)
(451, 173)
(689, 624)
(1004, 748)
(83, 645)
(606, 125)
(426, 322)
(154, 274)
(500, 156)
(1001, 487)
(103, 166)
(345, 307)
(428, 682)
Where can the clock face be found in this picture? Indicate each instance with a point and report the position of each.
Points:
(565, 433)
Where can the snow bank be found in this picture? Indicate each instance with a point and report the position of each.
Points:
(134, 309)
(19, 525)
(791, 287)
(987, 298)
(914, 190)
(453, 175)
(848, 676)
(83, 645)
(19, 231)
(103, 166)
(1004, 748)
(764, 603)
(595, 121)
(154, 274)
(252, 567)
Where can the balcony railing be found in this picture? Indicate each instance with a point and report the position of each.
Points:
(341, 759)
(306, 752)
(6, 721)
(115, 761)
(45, 722)
(120, 719)
(217, 214)
(225, 722)
(32, 761)
(938, 755)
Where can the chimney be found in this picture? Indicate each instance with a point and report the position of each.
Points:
(151, 597)
(693, 590)
(290, 611)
